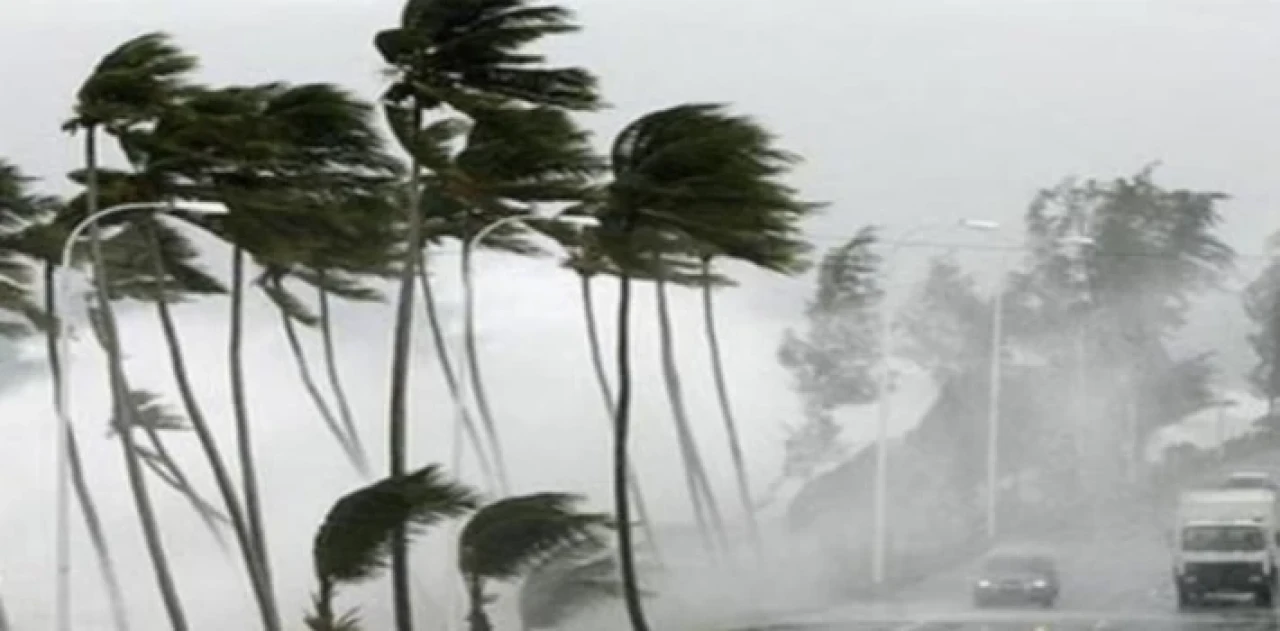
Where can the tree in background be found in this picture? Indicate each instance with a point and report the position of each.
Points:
(945, 327)
(833, 363)
(1262, 304)
(1107, 307)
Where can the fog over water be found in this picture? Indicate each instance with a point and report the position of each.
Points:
(907, 113)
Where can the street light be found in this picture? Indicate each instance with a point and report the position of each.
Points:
(464, 361)
(468, 307)
(62, 600)
(880, 510)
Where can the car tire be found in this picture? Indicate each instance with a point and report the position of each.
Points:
(1264, 598)
(1048, 603)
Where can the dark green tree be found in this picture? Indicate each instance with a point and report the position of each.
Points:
(700, 174)
(464, 55)
(355, 541)
(505, 540)
(128, 88)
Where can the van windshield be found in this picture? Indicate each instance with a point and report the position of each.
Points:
(1223, 539)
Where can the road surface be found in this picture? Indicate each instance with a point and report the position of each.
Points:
(1119, 584)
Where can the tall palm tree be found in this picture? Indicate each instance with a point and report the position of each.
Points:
(504, 540)
(28, 231)
(128, 87)
(465, 54)
(707, 176)
(514, 159)
(353, 543)
(586, 261)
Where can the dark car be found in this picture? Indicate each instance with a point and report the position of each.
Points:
(1016, 578)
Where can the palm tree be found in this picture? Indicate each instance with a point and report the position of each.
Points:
(465, 54)
(27, 230)
(506, 539)
(129, 86)
(586, 261)
(562, 585)
(353, 543)
(514, 159)
(704, 175)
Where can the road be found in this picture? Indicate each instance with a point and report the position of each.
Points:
(1120, 584)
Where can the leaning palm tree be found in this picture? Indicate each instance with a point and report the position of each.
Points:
(707, 176)
(356, 537)
(514, 159)
(129, 87)
(586, 262)
(506, 539)
(466, 54)
(28, 231)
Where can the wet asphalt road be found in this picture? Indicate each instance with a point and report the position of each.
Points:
(1124, 584)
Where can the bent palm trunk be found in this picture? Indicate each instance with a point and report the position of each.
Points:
(451, 380)
(124, 410)
(397, 422)
(267, 608)
(326, 414)
(244, 435)
(477, 382)
(695, 473)
(622, 463)
(602, 380)
(88, 508)
(335, 382)
(726, 410)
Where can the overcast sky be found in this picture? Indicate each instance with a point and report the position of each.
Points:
(908, 113)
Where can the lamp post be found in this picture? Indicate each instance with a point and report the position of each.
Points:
(880, 510)
(62, 598)
(464, 361)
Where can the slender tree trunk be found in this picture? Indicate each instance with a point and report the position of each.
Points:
(88, 508)
(244, 434)
(606, 393)
(335, 381)
(477, 381)
(695, 473)
(622, 463)
(397, 422)
(726, 410)
(450, 378)
(267, 607)
(477, 617)
(124, 409)
(326, 414)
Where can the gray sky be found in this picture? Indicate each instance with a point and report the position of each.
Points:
(908, 112)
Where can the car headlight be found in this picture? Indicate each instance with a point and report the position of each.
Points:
(984, 583)
(1039, 583)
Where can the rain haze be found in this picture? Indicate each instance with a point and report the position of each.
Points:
(910, 115)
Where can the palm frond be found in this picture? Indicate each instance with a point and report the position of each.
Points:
(271, 281)
(563, 585)
(473, 54)
(506, 538)
(132, 82)
(150, 411)
(354, 541)
(711, 176)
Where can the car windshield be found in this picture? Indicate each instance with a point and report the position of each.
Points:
(1223, 539)
(1251, 482)
(1019, 564)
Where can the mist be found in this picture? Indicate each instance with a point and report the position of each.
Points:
(907, 114)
